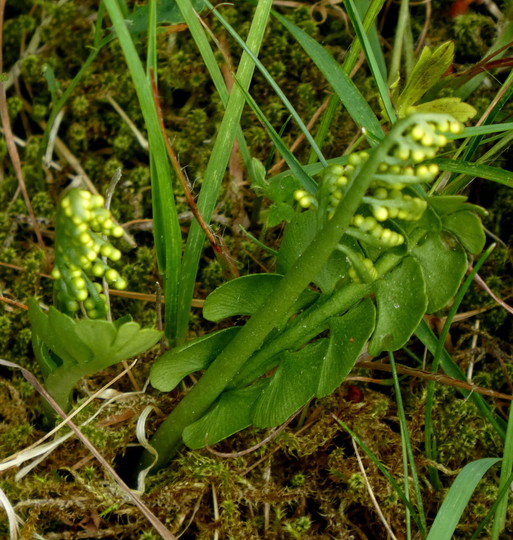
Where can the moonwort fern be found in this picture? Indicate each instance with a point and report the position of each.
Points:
(378, 253)
(68, 349)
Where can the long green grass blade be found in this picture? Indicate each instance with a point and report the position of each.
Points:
(482, 130)
(457, 498)
(347, 66)
(407, 454)
(343, 86)
(369, 14)
(289, 157)
(506, 469)
(271, 81)
(399, 42)
(201, 40)
(371, 59)
(216, 167)
(430, 340)
(430, 440)
(475, 170)
(503, 493)
(167, 230)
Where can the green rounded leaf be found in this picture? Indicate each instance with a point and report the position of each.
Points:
(195, 355)
(401, 301)
(245, 295)
(468, 229)
(231, 413)
(444, 264)
(241, 296)
(292, 386)
(348, 335)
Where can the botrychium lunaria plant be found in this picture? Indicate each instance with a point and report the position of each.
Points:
(82, 252)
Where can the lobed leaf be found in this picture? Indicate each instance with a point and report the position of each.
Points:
(232, 412)
(69, 350)
(401, 302)
(428, 71)
(197, 354)
(435, 255)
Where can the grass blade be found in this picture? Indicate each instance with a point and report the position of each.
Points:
(289, 157)
(430, 341)
(457, 498)
(216, 168)
(369, 16)
(271, 81)
(506, 468)
(408, 454)
(371, 59)
(343, 86)
(476, 170)
(430, 441)
(167, 231)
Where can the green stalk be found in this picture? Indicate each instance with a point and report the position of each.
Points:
(304, 328)
(216, 168)
(271, 315)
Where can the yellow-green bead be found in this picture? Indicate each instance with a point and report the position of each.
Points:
(98, 270)
(89, 304)
(380, 213)
(117, 232)
(120, 284)
(111, 275)
(82, 295)
(418, 155)
(417, 133)
(79, 282)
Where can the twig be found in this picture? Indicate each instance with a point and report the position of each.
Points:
(133, 128)
(425, 28)
(371, 493)
(150, 516)
(52, 137)
(437, 377)
(9, 138)
(482, 283)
